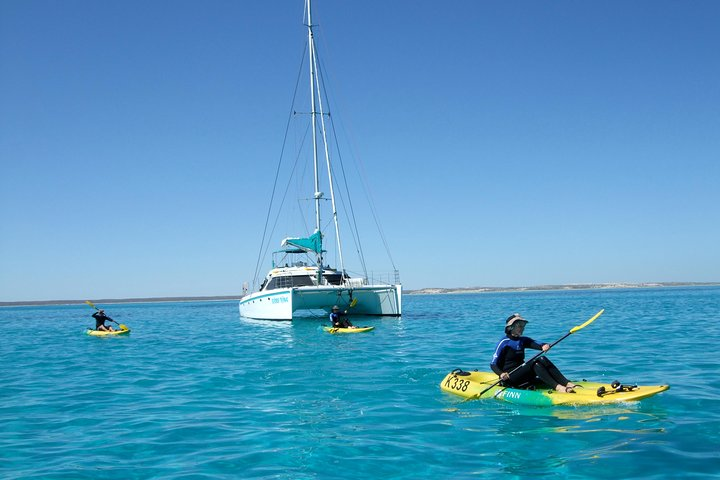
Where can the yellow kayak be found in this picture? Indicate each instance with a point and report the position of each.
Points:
(348, 330)
(475, 385)
(101, 333)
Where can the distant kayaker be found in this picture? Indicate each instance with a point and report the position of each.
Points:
(100, 318)
(510, 354)
(338, 320)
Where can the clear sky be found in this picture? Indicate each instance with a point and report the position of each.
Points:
(505, 143)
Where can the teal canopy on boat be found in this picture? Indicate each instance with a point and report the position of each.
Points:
(313, 243)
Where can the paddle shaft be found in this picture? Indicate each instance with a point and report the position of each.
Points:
(525, 363)
(572, 330)
(96, 308)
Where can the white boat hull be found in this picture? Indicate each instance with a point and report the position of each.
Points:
(284, 303)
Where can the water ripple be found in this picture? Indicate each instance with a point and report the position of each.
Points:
(225, 397)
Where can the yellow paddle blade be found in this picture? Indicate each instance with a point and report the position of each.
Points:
(91, 304)
(353, 303)
(123, 327)
(580, 327)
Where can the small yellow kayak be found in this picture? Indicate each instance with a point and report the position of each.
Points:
(348, 330)
(101, 333)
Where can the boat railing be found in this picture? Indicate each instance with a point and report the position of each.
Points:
(374, 278)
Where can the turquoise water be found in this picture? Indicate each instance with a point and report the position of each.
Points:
(197, 392)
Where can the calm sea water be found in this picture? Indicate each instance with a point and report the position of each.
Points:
(195, 391)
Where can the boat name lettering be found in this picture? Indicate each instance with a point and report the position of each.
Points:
(510, 394)
(455, 383)
(279, 300)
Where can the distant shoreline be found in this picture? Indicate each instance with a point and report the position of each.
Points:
(110, 301)
(423, 291)
(540, 288)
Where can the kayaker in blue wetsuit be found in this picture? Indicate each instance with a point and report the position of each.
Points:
(510, 354)
(100, 318)
(337, 320)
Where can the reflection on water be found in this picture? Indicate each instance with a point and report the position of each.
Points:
(529, 441)
(508, 419)
(267, 333)
(269, 324)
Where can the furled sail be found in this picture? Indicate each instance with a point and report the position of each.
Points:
(313, 243)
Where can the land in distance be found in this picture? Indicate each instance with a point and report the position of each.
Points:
(423, 291)
(106, 301)
(576, 286)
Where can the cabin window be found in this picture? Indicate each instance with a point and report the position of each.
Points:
(290, 281)
(333, 278)
(302, 281)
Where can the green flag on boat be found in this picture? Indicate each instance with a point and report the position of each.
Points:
(313, 243)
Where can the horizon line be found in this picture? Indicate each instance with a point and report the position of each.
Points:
(419, 291)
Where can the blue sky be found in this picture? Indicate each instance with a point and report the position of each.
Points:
(505, 143)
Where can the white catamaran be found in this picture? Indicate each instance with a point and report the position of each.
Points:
(300, 279)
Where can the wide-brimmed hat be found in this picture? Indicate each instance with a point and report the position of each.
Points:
(515, 317)
(335, 307)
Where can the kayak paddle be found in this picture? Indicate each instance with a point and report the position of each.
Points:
(121, 325)
(572, 330)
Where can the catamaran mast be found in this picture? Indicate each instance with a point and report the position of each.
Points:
(314, 112)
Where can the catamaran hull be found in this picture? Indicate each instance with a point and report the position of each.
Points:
(273, 305)
(282, 304)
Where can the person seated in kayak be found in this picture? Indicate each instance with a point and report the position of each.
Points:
(509, 357)
(100, 318)
(338, 320)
